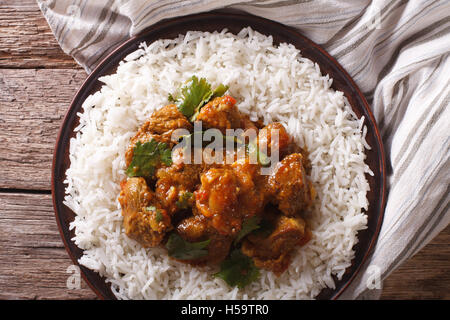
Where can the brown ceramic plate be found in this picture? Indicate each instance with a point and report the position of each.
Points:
(234, 22)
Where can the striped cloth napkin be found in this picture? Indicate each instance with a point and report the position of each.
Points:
(396, 51)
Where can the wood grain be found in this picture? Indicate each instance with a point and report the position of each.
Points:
(425, 276)
(32, 106)
(26, 39)
(33, 261)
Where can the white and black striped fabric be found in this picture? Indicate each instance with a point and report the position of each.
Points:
(396, 51)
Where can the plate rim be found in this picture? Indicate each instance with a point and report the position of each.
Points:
(230, 13)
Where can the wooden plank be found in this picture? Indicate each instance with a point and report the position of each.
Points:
(33, 261)
(424, 276)
(26, 39)
(32, 107)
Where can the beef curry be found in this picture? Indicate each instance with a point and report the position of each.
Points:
(222, 212)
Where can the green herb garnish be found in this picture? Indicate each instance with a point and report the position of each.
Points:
(171, 98)
(146, 156)
(247, 227)
(165, 155)
(261, 157)
(159, 217)
(220, 91)
(183, 200)
(194, 94)
(238, 270)
(182, 250)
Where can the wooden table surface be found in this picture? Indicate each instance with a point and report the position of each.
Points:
(37, 83)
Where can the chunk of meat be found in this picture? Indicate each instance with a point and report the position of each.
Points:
(166, 120)
(289, 187)
(144, 137)
(273, 138)
(134, 195)
(247, 124)
(294, 148)
(218, 248)
(197, 228)
(220, 113)
(193, 228)
(174, 182)
(251, 184)
(274, 251)
(142, 222)
(159, 127)
(217, 200)
(250, 128)
(231, 194)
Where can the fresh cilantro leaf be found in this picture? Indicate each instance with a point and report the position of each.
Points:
(183, 200)
(182, 250)
(146, 156)
(238, 270)
(195, 115)
(219, 91)
(165, 154)
(193, 95)
(247, 227)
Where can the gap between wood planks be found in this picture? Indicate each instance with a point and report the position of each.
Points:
(33, 261)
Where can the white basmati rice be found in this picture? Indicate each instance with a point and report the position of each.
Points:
(274, 83)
